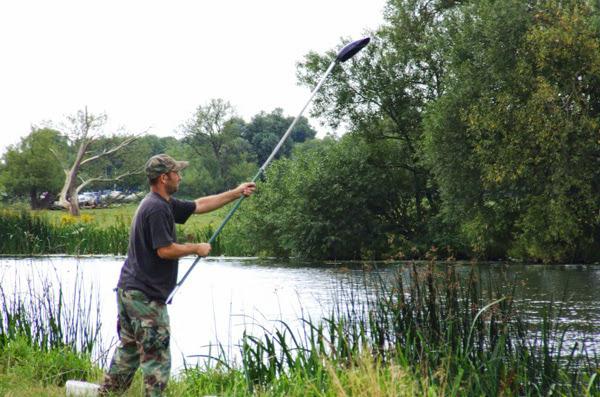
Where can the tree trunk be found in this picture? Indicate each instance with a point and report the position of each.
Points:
(73, 201)
(40, 202)
(68, 195)
(33, 199)
(46, 200)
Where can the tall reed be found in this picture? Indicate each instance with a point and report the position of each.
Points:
(27, 233)
(24, 233)
(47, 319)
(454, 335)
(45, 336)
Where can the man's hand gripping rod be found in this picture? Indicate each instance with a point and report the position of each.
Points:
(345, 53)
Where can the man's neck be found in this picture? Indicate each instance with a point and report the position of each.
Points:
(161, 191)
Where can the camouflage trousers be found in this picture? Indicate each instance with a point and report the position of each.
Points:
(143, 328)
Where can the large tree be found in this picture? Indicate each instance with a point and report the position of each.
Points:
(30, 170)
(265, 130)
(382, 93)
(493, 110)
(84, 131)
(206, 129)
(214, 133)
(514, 141)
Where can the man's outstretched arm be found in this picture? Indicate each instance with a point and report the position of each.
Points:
(211, 203)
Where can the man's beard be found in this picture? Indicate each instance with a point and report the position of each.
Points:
(172, 189)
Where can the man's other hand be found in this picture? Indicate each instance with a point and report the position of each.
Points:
(203, 249)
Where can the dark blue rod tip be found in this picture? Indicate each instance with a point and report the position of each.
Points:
(351, 49)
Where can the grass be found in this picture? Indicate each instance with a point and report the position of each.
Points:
(115, 215)
(26, 369)
(364, 378)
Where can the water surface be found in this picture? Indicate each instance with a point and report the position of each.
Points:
(225, 296)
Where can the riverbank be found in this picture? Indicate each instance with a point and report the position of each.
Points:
(29, 376)
(105, 231)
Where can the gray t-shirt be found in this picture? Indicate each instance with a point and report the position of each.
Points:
(153, 227)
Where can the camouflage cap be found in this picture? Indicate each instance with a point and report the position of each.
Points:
(163, 164)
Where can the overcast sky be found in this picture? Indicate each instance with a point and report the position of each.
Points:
(149, 64)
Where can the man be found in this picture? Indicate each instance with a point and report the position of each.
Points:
(149, 274)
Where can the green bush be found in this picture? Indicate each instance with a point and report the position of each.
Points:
(328, 202)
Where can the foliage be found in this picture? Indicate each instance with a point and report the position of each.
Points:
(382, 91)
(43, 341)
(327, 201)
(215, 136)
(476, 131)
(227, 150)
(32, 234)
(134, 158)
(26, 370)
(428, 331)
(514, 141)
(100, 231)
(493, 111)
(214, 142)
(30, 168)
(83, 131)
(265, 130)
(424, 333)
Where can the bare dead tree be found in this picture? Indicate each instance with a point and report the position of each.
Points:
(83, 129)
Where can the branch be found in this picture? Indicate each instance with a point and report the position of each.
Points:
(103, 179)
(111, 151)
(65, 169)
(393, 166)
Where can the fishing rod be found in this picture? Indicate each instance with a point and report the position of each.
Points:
(345, 53)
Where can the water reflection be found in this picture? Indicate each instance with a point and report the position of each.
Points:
(223, 297)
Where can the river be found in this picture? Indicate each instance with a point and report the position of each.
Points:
(225, 296)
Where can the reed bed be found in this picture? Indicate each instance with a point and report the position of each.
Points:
(24, 233)
(444, 334)
(47, 321)
(46, 337)
(27, 233)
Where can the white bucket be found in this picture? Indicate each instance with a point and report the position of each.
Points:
(79, 388)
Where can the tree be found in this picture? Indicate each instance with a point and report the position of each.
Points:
(214, 133)
(327, 201)
(136, 155)
(84, 132)
(30, 170)
(266, 129)
(382, 93)
(513, 142)
(207, 129)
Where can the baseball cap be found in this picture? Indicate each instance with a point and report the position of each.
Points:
(163, 164)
